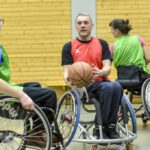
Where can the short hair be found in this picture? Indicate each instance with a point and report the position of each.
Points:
(83, 14)
(122, 25)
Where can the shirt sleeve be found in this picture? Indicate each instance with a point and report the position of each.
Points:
(1, 56)
(111, 47)
(142, 41)
(105, 50)
(66, 55)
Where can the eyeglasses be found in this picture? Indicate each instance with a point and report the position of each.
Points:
(1, 20)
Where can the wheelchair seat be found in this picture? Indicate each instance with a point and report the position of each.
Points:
(132, 79)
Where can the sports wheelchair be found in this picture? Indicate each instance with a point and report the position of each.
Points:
(77, 130)
(136, 83)
(19, 132)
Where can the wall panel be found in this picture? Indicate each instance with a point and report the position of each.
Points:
(33, 35)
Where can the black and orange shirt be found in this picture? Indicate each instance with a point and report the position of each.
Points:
(93, 51)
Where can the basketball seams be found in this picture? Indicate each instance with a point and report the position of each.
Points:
(80, 73)
(73, 73)
(81, 78)
(89, 75)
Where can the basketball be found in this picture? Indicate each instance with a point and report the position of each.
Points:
(80, 74)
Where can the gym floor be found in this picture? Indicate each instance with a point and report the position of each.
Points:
(142, 142)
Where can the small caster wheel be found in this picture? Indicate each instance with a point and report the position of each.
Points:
(94, 147)
(128, 146)
(144, 120)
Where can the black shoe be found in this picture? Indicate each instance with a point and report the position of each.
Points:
(96, 133)
(56, 138)
(111, 132)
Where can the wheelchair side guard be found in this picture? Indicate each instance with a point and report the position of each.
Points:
(129, 76)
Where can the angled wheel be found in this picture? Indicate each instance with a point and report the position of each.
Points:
(146, 96)
(126, 116)
(21, 129)
(68, 115)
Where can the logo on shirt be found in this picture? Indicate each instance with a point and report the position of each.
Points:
(77, 51)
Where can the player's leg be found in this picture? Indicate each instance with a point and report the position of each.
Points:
(103, 93)
(30, 84)
(116, 100)
(43, 97)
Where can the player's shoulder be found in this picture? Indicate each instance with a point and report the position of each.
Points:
(67, 45)
(102, 41)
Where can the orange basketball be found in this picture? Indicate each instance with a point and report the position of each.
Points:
(80, 74)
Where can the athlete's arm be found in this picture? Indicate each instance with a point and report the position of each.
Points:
(105, 71)
(146, 54)
(7, 89)
(145, 49)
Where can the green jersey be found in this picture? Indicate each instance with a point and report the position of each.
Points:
(5, 68)
(128, 51)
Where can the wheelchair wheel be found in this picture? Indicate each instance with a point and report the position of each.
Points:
(145, 93)
(21, 129)
(127, 115)
(68, 115)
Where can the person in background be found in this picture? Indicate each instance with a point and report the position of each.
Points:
(128, 49)
(96, 53)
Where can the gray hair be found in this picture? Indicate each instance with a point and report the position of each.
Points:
(83, 14)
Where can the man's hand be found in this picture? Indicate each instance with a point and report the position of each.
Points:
(96, 72)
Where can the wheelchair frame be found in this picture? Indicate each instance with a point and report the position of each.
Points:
(80, 132)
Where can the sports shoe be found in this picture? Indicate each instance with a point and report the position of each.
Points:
(111, 132)
(56, 138)
(96, 133)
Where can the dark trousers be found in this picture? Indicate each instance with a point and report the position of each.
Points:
(43, 97)
(109, 95)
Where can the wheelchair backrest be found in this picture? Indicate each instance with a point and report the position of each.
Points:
(129, 76)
